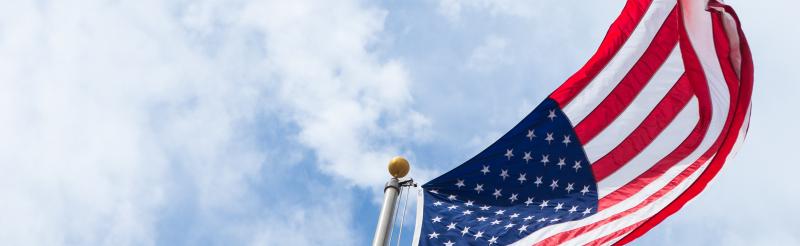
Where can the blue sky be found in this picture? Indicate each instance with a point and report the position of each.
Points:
(271, 122)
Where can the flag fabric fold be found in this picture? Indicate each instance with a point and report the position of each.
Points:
(625, 142)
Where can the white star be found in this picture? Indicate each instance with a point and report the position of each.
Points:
(523, 228)
(552, 114)
(528, 218)
(497, 193)
(554, 185)
(478, 188)
(527, 157)
(465, 231)
(451, 207)
(449, 243)
(561, 162)
(573, 209)
(467, 212)
(569, 187)
(499, 212)
(559, 206)
(522, 178)
(485, 170)
(495, 222)
(437, 219)
(549, 138)
(529, 201)
(504, 174)
(435, 191)
(566, 140)
(437, 203)
(577, 166)
(478, 235)
(509, 153)
(584, 190)
(451, 197)
(555, 220)
(492, 240)
(451, 226)
(530, 135)
(538, 181)
(541, 220)
(509, 226)
(460, 183)
(433, 235)
(513, 197)
(469, 203)
(484, 207)
(544, 204)
(514, 215)
(482, 219)
(587, 211)
(545, 159)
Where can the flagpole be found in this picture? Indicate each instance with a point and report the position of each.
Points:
(398, 168)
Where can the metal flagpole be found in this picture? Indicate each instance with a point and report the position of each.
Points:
(398, 168)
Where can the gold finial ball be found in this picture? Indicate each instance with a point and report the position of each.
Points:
(398, 167)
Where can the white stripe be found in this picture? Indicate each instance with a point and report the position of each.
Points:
(742, 134)
(672, 137)
(701, 35)
(641, 214)
(623, 61)
(641, 106)
(615, 240)
(418, 224)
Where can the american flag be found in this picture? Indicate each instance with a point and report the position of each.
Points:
(625, 142)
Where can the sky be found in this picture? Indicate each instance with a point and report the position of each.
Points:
(271, 122)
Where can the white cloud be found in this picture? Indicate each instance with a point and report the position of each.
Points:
(453, 9)
(349, 105)
(489, 55)
(113, 110)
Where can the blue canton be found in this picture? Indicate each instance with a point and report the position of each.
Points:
(534, 176)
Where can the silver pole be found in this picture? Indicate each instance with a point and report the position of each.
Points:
(390, 192)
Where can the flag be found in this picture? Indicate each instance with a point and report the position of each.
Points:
(625, 142)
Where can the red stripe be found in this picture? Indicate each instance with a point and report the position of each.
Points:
(617, 35)
(745, 93)
(664, 113)
(632, 84)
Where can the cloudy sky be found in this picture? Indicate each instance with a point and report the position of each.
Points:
(240, 122)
